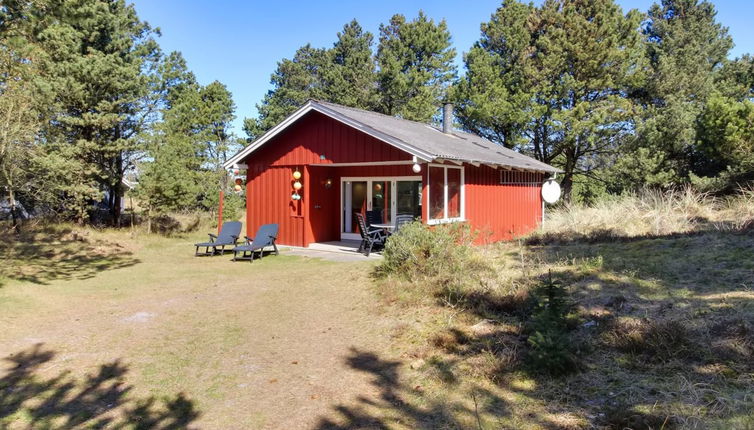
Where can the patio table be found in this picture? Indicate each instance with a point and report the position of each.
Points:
(383, 226)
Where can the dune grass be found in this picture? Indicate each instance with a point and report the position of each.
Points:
(649, 213)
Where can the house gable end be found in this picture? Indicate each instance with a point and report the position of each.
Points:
(316, 138)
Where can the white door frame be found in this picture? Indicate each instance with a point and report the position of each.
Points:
(369, 180)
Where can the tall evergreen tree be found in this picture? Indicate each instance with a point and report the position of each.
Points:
(493, 98)
(350, 79)
(415, 70)
(554, 81)
(686, 48)
(96, 51)
(725, 137)
(215, 114)
(186, 149)
(169, 168)
(293, 83)
(344, 74)
(415, 60)
(588, 59)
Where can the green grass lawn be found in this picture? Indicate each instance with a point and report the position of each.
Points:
(106, 329)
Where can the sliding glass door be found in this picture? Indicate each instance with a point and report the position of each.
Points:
(354, 202)
(379, 200)
(408, 198)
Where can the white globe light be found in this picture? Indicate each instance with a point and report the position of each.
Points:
(550, 191)
(416, 168)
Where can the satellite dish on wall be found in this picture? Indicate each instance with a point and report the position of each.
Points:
(550, 191)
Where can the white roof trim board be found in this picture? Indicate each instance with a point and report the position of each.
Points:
(420, 140)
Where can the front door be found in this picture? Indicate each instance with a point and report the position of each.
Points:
(376, 200)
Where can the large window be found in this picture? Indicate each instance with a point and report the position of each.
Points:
(445, 194)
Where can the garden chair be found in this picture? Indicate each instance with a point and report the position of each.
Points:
(265, 237)
(369, 237)
(228, 236)
(374, 217)
(401, 220)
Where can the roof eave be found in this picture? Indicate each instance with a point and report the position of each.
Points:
(494, 164)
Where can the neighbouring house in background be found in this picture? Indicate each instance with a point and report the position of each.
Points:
(348, 161)
(128, 185)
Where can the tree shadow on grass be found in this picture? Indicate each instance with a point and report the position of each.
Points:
(51, 254)
(399, 403)
(100, 400)
(671, 311)
(692, 265)
(664, 323)
(390, 407)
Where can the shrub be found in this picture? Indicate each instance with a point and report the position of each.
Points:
(439, 259)
(551, 347)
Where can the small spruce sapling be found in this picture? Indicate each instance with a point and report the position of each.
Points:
(551, 349)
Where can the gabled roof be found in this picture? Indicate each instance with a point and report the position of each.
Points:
(420, 140)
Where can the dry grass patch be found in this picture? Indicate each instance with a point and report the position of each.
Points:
(177, 341)
(44, 254)
(657, 339)
(650, 213)
(662, 316)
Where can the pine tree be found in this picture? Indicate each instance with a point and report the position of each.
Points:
(344, 74)
(686, 48)
(169, 181)
(96, 51)
(350, 79)
(415, 60)
(186, 150)
(725, 138)
(293, 83)
(551, 347)
(587, 60)
(493, 98)
(214, 115)
(554, 81)
(172, 159)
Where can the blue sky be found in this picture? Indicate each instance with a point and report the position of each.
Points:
(239, 42)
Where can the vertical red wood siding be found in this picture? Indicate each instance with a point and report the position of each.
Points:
(302, 146)
(502, 211)
(498, 211)
(324, 203)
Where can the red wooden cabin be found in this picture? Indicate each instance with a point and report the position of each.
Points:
(351, 161)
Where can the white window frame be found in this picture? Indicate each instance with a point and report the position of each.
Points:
(369, 179)
(445, 218)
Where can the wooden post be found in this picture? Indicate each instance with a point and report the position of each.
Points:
(220, 212)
